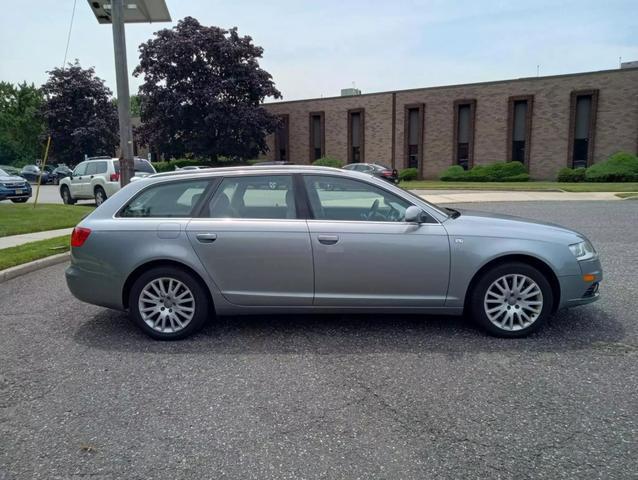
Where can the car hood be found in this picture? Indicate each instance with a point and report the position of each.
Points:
(11, 178)
(494, 224)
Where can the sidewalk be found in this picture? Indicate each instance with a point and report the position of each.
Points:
(15, 240)
(448, 196)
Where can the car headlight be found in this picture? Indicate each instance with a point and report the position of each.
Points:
(583, 250)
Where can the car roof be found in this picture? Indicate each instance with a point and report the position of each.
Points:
(249, 170)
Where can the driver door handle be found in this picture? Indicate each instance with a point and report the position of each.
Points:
(328, 239)
(206, 237)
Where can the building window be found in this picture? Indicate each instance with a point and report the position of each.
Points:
(281, 139)
(413, 135)
(519, 130)
(356, 135)
(464, 112)
(583, 107)
(317, 139)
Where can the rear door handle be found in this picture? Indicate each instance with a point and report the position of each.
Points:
(328, 239)
(206, 237)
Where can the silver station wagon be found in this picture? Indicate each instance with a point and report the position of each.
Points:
(178, 248)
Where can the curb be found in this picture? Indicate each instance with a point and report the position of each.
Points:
(29, 267)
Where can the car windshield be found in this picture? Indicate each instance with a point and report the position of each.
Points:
(2, 172)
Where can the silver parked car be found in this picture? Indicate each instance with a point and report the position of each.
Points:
(176, 248)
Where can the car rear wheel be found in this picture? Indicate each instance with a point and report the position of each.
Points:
(66, 196)
(100, 196)
(168, 303)
(511, 300)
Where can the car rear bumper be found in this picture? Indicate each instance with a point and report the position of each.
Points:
(577, 290)
(93, 287)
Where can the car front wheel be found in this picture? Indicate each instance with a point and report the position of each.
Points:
(66, 196)
(511, 300)
(168, 303)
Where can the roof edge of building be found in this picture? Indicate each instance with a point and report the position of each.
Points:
(474, 84)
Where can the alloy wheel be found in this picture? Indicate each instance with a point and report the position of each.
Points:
(166, 305)
(513, 302)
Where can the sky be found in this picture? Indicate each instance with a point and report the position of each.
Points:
(315, 48)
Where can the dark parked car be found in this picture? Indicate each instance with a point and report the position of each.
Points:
(381, 171)
(32, 172)
(60, 172)
(14, 188)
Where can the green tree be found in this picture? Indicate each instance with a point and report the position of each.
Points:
(21, 123)
(80, 115)
(202, 93)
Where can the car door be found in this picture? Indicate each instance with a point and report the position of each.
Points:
(250, 239)
(365, 254)
(77, 180)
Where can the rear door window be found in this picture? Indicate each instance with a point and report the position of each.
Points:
(172, 199)
(268, 197)
(91, 168)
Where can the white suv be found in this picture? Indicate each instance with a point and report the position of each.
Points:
(98, 178)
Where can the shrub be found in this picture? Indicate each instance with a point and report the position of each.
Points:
(455, 172)
(328, 162)
(408, 174)
(494, 172)
(571, 174)
(620, 167)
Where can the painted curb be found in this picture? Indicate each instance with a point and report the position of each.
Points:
(25, 268)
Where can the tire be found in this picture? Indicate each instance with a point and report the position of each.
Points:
(497, 306)
(100, 196)
(66, 196)
(19, 200)
(149, 314)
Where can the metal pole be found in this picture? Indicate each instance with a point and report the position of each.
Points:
(123, 99)
(44, 162)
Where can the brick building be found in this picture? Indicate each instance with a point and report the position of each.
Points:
(545, 122)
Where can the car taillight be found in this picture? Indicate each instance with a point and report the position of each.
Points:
(115, 177)
(387, 173)
(79, 236)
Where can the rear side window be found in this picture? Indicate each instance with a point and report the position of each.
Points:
(268, 196)
(91, 168)
(100, 167)
(174, 199)
(143, 166)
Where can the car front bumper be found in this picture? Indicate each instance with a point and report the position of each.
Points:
(11, 193)
(578, 290)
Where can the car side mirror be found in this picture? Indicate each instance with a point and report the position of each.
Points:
(414, 214)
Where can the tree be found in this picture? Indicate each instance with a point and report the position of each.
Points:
(79, 114)
(21, 123)
(202, 91)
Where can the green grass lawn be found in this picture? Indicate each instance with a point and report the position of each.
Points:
(522, 186)
(12, 256)
(23, 218)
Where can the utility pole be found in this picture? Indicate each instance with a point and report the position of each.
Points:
(123, 97)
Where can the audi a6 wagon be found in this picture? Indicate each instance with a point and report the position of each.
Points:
(178, 248)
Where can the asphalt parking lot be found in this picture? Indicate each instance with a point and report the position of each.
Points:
(83, 393)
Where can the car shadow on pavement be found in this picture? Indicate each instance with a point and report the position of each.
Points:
(574, 329)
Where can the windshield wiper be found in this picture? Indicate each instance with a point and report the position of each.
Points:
(453, 213)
